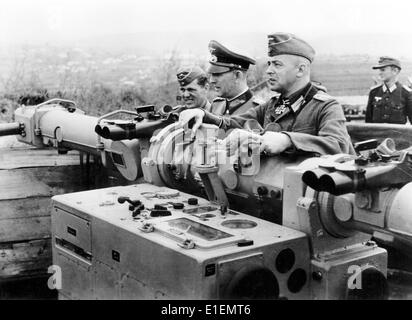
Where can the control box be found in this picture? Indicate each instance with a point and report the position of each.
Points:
(148, 242)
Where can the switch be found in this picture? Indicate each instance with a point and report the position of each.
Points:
(136, 213)
(245, 243)
(192, 201)
(159, 207)
(178, 206)
(160, 213)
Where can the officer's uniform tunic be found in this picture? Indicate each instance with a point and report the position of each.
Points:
(314, 121)
(238, 105)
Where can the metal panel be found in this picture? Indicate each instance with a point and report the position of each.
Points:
(227, 268)
(72, 229)
(335, 270)
(106, 282)
(76, 276)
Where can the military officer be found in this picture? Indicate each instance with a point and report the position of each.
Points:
(194, 86)
(302, 120)
(389, 102)
(228, 71)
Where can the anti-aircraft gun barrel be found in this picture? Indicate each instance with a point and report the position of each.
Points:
(9, 129)
(60, 124)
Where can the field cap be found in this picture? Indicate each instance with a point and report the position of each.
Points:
(287, 43)
(186, 75)
(387, 61)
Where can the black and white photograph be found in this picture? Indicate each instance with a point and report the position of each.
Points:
(205, 155)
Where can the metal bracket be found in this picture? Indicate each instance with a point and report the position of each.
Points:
(187, 244)
(147, 228)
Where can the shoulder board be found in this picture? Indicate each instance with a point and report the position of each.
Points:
(322, 96)
(257, 100)
(407, 88)
(218, 99)
(375, 87)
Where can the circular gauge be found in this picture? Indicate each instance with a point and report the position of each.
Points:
(239, 224)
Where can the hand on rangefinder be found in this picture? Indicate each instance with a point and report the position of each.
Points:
(189, 114)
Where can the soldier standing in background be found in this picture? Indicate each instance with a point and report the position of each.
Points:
(390, 102)
(228, 72)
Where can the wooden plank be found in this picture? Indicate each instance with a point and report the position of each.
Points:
(12, 230)
(25, 219)
(25, 258)
(28, 158)
(17, 184)
(48, 181)
(25, 208)
(28, 179)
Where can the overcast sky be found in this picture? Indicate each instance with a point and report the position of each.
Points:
(48, 20)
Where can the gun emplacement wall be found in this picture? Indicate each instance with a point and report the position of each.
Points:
(28, 178)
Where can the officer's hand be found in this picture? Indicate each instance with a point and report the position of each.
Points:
(189, 114)
(239, 138)
(275, 142)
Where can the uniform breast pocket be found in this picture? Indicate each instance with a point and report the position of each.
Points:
(376, 111)
(397, 114)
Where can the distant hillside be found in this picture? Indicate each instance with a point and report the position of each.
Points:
(154, 43)
(145, 64)
(352, 76)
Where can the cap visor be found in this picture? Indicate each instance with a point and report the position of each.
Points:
(380, 66)
(217, 69)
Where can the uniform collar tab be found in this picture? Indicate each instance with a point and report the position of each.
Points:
(239, 100)
(391, 89)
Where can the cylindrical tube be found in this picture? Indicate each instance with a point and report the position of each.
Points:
(143, 129)
(115, 133)
(311, 178)
(8, 129)
(72, 130)
(337, 183)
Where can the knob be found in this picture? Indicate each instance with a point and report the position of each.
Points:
(160, 213)
(317, 275)
(134, 203)
(192, 201)
(276, 194)
(159, 207)
(178, 206)
(262, 191)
